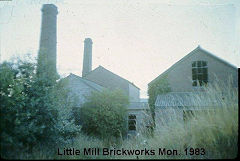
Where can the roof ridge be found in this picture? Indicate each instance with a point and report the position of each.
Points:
(100, 66)
(85, 81)
(197, 48)
(189, 54)
(217, 57)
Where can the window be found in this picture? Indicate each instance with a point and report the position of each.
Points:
(132, 122)
(199, 73)
(187, 115)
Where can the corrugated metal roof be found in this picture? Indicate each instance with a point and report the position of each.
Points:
(187, 99)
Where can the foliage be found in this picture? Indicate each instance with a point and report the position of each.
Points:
(216, 131)
(160, 86)
(215, 128)
(104, 114)
(31, 107)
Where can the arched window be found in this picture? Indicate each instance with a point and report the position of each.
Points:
(199, 73)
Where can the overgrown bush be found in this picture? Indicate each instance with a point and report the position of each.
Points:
(216, 131)
(31, 107)
(213, 128)
(104, 114)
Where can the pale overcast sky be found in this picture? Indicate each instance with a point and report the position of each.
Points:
(136, 39)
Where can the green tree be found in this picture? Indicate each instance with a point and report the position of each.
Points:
(34, 109)
(104, 114)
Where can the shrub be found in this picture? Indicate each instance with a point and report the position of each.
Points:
(31, 109)
(216, 131)
(104, 114)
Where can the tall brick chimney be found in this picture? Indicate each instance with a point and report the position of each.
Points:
(48, 40)
(87, 58)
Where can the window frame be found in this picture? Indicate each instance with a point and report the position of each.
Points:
(132, 122)
(199, 73)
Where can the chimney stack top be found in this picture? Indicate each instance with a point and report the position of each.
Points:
(88, 40)
(50, 8)
(87, 58)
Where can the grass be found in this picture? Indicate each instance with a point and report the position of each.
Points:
(215, 130)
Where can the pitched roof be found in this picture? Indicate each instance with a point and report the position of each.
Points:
(190, 54)
(101, 67)
(187, 99)
(89, 83)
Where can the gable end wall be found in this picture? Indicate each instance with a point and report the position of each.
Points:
(180, 77)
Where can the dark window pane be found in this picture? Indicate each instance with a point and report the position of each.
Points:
(194, 71)
(200, 77)
(132, 127)
(132, 121)
(199, 73)
(199, 63)
(194, 64)
(132, 124)
(194, 77)
(199, 70)
(132, 117)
